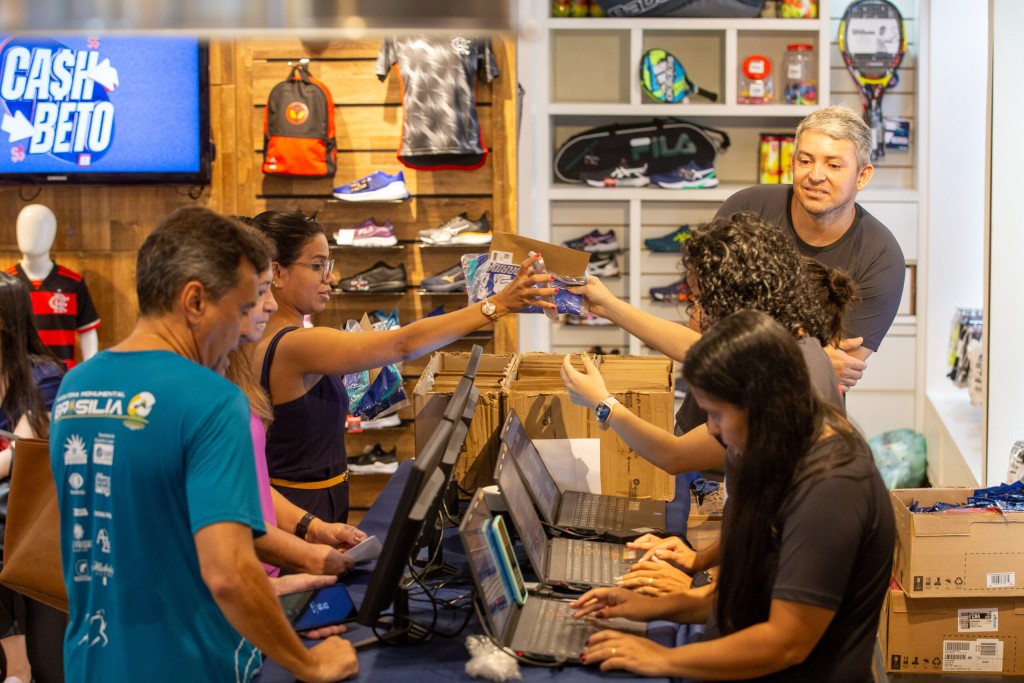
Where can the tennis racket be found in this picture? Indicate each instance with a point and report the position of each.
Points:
(663, 77)
(872, 40)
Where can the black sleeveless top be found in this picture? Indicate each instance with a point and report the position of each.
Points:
(306, 441)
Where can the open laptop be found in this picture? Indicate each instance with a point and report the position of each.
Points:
(541, 628)
(611, 516)
(558, 560)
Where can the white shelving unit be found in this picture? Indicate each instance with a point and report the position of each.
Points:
(581, 73)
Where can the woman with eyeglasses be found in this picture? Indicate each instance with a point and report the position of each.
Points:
(302, 368)
(807, 535)
(730, 264)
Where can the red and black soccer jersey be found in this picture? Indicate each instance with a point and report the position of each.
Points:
(62, 307)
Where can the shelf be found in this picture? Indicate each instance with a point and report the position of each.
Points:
(427, 292)
(962, 423)
(389, 292)
(346, 247)
(586, 193)
(755, 112)
(682, 24)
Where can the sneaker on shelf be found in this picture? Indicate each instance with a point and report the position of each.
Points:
(385, 320)
(677, 291)
(607, 266)
(386, 422)
(437, 311)
(620, 176)
(460, 230)
(367, 234)
(587, 318)
(670, 243)
(379, 278)
(689, 176)
(599, 351)
(375, 460)
(451, 280)
(595, 242)
(376, 187)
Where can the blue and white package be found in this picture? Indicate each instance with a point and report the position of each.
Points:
(487, 277)
(356, 383)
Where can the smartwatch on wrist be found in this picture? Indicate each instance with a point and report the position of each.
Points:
(701, 579)
(603, 411)
(303, 526)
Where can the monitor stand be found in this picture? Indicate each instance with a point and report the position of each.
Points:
(403, 630)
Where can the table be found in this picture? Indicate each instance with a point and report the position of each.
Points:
(440, 659)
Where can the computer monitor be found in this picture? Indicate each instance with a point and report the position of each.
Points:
(423, 482)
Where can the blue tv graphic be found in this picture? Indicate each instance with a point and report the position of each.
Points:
(89, 104)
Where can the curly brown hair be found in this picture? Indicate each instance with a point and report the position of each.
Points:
(833, 290)
(742, 262)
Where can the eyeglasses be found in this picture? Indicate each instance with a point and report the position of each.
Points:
(321, 268)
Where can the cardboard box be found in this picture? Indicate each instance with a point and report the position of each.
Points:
(430, 398)
(704, 525)
(952, 636)
(642, 383)
(956, 553)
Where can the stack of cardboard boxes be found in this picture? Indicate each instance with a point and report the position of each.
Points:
(956, 605)
(531, 385)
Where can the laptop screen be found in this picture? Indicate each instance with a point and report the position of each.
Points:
(517, 498)
(532, 467)
(498, 607)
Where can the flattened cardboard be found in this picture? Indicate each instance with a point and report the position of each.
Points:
(951, 636)
(476, 464)
(956, 554)
(557, 259)
(546, 411)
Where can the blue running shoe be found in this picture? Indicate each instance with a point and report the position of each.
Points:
(689, 176)
(670, 243)
(376, 187)
(451, 280)
(677, 291)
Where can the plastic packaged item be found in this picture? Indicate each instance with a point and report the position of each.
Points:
(798, 69)
(787, 147)
(799, 9)
(768, 173)
(755, 81)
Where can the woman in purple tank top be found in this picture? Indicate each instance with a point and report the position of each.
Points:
(302, 368)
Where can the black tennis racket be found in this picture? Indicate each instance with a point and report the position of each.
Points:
(872, 40)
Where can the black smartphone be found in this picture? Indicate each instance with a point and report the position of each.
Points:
(311, 609)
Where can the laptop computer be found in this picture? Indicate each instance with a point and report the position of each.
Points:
(611, 516)
(540, 628)
(558, 561)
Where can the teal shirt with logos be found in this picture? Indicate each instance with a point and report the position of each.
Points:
(147, 448)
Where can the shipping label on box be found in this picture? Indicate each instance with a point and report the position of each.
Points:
(958, 552)
(952, 635)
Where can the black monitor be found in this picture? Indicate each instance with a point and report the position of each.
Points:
(423, 482)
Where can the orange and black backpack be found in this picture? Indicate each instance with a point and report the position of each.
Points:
(298, 128)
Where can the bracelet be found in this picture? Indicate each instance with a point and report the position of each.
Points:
(303, 526)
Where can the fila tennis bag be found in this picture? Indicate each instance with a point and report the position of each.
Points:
(298, 128)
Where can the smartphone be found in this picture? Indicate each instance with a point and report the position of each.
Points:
(319, 607)
(540, 269)
(509, 569)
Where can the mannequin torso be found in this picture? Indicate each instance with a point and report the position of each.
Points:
(60, 299)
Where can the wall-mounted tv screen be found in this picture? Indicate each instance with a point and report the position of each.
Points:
(104, 109)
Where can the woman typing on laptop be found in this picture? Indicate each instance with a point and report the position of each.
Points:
(798, 593)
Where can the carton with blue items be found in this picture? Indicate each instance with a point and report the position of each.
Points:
(956, 553)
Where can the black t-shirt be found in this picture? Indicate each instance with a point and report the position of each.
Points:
(867, 251)
(834, 550)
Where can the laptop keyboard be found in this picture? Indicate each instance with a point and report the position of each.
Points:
(591, 563)
(557, 633)
(594, 511)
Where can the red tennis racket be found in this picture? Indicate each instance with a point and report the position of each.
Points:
(872, 40)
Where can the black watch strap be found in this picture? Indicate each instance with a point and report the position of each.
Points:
(303, 526)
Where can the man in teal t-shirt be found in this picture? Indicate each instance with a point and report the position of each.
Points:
(153, 461)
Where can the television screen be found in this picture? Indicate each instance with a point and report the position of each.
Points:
(104, 109)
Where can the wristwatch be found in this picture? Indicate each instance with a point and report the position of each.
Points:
(701, 579)
(603, 411)
(303, 526)
(488, 308)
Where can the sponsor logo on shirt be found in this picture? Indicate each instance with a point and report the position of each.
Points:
(82, 571)
(74, 451)
(103, 452)
(138, 410)
(102, 484)
(80, 544)
(76, 481)
(80, 512)
(103, 540)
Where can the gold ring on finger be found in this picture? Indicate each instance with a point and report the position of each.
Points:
(650, 580)
(613, 652)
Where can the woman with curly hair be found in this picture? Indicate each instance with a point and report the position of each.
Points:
(730, 264)
(799, 592)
